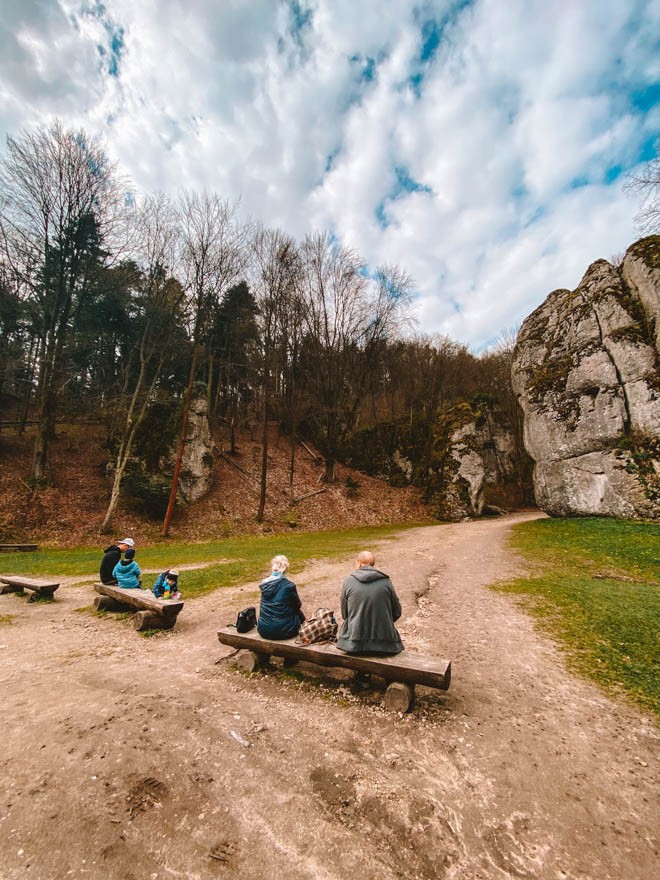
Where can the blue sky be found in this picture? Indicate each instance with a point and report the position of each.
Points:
(481, 146)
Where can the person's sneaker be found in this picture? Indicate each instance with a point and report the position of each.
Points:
(363, 680)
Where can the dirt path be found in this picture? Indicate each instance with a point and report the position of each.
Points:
(123, 757)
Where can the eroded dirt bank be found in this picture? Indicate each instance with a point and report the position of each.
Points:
(125, 757)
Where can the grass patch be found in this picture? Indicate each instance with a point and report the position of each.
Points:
(595, 589)
(6, 619)
(228, 562)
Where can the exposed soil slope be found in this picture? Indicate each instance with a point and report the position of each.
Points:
(72, 508)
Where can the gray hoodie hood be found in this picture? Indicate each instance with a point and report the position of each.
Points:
(367, 574)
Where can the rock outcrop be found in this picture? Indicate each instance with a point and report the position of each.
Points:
(197, 462)
(585, 371)
(473, 450)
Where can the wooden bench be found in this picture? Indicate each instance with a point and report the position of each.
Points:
(14, 583)
(154, 613)
(14, 548)
(401, 671)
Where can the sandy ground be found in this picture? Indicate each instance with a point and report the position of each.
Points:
(129, 757)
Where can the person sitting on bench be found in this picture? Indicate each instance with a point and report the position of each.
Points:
(280, 611)
(111, 556)
(369, 606)
(127, 572)
(167, 585)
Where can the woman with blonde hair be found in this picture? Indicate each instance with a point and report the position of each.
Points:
(280, 612)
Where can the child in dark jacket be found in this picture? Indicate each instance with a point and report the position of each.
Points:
(127, 572)
(168, 582)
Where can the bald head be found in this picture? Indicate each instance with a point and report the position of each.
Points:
(365, 557)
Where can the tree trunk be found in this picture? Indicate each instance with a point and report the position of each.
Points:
(264, 456)
(45, 424)
(31, 363)
(292, 463)
(232, 436)
(329, 473)
(182, 443)
(209, 387)
(131, 425)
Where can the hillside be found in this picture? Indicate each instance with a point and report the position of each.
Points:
(72, 508)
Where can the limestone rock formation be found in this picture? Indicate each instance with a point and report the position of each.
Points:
(472, 450)
(466, 475)
(197, 462)
(585, 371)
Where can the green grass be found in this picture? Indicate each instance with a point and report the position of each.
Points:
(244, 559)
(596, 588)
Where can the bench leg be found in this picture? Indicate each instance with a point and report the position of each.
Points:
(107, 603)
(250, 661)
(150, 620)
(399, 697)
(42, 594)
(10, 588)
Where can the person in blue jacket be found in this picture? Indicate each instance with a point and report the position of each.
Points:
(280, 611)
(127, 572)
(168, 581)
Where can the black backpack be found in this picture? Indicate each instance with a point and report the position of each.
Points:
(246, 620)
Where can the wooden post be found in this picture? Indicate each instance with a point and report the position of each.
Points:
(399, 697)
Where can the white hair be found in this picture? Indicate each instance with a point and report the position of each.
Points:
(279, 563)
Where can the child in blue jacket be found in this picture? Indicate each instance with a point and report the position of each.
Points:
(127, 572)
(167, 581)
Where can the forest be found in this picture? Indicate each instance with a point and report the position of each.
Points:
(120, 308)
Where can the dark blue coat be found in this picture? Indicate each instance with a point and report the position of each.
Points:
(279, 612)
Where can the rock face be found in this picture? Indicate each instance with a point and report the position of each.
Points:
(477, 452)
(585, 371)
(197, 462)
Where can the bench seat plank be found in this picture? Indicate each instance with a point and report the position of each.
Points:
(405, 667)
(142, 599)
(13, 582)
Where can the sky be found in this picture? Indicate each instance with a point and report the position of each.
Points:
(480, 146)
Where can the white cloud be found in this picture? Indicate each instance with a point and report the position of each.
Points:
(490, 160)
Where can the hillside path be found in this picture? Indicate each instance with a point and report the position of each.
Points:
(130, 758)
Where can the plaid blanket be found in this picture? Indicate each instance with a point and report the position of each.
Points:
(322, 627)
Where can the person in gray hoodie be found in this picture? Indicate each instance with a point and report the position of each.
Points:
(369, 606)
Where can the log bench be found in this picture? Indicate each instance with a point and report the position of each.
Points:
(153, 613)
(401, 671)
(14, 583)
(16, 548)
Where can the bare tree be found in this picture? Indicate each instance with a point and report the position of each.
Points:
(62, 208)
(347, 316)
(275, 270)
(646, 183)
(212, 257)
(160, 297)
